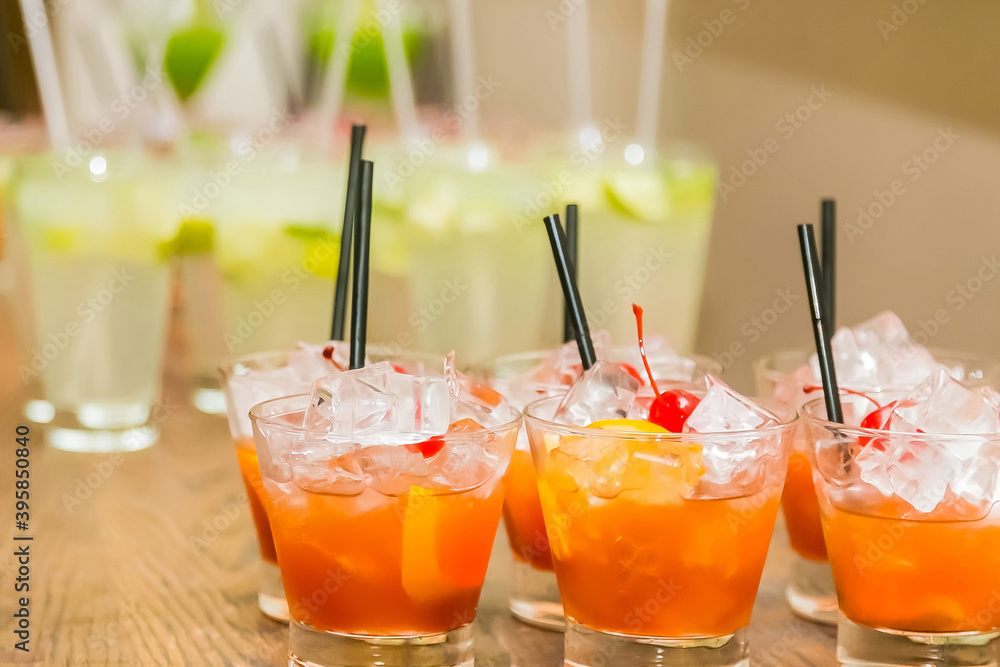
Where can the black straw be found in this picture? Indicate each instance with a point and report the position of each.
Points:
(828, 230)
(350, 212)
(573, 254)
(359, 300)
(814, 278)
(570, 291)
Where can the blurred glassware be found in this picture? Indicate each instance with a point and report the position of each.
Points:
(99, 240)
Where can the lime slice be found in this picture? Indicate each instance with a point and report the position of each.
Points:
(195, 237)
(321, 251)
(190, 54)
(367, 73)
(61, 239)
(640, 193)
(390, 253)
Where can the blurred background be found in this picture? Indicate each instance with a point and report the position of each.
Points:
(201, 148)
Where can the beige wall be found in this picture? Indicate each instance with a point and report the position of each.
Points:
(888, 100)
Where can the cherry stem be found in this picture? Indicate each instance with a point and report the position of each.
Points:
(328, 355)
(810, 388)
(642, 348)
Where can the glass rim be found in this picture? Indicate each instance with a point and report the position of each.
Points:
(226, 367)
(538, 354)
(809, 415)
(271, 421)
(489, 366)
(787, 416)
(762, 368)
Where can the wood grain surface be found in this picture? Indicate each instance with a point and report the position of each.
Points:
(149, 558)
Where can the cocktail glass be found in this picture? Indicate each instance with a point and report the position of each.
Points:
(655, 565)
(810, 591)
(261, 253)
(99, 243)
(243, 390)
(645, 226)
(534, 593)
(480, 277)
(916, 587)
(380, 566)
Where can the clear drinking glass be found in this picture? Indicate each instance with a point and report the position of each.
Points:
(243, 390)
(534, 594)
(655, 565)
(98, 236)
(810, 591)
(644, 233)
(388, 570)
(915, 587)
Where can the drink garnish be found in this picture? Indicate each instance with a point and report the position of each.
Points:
(670, 409)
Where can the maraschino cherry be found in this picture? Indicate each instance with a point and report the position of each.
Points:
(670, 409)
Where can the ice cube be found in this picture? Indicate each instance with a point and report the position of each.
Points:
(563, 367)
(878, 354)
(606, 391)
(727, 459)
(942, 405)
(664, 361)
(320, 465)
(309, 362)
(925, 472)
(722, 409)
(479, 402)
(392, 470)
(248, 386)
(376, 401)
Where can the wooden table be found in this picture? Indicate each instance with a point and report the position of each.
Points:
(149, 558)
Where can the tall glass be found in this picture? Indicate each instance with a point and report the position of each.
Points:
(99, 241)
(479, 281)
(645, 226)
(916, 587)
(244, 387)
(810, 591)
(388, 570)
(656, 565)
(262, 237)
(534, 594)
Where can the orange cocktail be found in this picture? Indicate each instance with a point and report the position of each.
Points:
(645, 542)
(413, 563)
(912, 528)
(522, 514)
(801, 509)
(383, 548)
(915, 576)
(250, 471)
